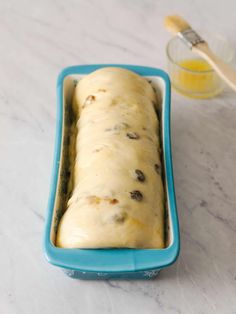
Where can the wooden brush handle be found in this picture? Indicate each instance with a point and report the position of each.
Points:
(224, 70)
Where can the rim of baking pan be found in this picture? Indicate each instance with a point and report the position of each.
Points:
(114, 260)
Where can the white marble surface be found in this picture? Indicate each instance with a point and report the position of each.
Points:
(38, 39)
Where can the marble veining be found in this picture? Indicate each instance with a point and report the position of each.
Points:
(38, 39)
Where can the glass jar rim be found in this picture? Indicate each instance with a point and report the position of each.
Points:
(222, 38)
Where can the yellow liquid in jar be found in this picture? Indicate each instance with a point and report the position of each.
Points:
(195, 65)
(197, 84)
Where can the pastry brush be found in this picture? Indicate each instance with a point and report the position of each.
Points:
(178, 26)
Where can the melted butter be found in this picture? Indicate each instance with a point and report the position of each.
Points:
(196, 79)
(195, 65)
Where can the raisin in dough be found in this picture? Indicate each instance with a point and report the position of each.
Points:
(117, 197)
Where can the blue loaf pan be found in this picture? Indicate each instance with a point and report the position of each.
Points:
(110, 263)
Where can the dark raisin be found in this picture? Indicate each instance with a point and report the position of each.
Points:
(90, 97)
(157, 168)
(113, 201)
(89, 100)
(136, 195)
(140, 175)
(119, 218)
(132, 135)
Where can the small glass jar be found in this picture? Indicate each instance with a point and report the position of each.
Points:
(190, 74)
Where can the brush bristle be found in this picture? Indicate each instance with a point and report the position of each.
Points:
(175, 24)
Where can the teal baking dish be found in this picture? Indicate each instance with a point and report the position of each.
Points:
(109, 263)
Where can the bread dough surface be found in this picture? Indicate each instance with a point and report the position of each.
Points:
(117, 197)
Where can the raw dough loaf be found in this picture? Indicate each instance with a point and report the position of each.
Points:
(117, 197)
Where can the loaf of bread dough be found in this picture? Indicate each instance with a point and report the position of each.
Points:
(117, 197)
